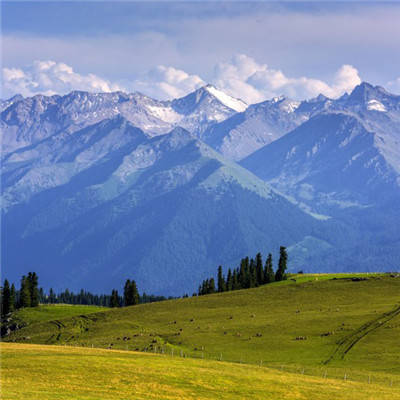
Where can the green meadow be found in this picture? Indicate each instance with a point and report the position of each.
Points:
(51, 312)
(312, 336)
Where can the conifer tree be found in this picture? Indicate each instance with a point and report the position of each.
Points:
(229, 280)
(221, 281)
(131, 294)
(282, 265)
(114, 300)
(42, 297)
(207, 287)
(235, 280)
(128, 301)
(5, 299)
(211, 286)
(244, 274)
(134, 293)
(13, 297)
(269, 274)
(51, 296)
(33, 289)
(252, 274)
(259, 270)
(25, 296)
(202, 288)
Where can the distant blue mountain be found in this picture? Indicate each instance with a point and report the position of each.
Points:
(98, 188)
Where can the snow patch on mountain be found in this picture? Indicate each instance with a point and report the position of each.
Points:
(229, 101)
(27, 121)
(165, 113)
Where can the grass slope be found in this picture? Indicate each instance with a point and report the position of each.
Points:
(56, 373)
(51, 312)
(348, 327)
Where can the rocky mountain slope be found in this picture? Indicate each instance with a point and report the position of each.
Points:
(97, 188)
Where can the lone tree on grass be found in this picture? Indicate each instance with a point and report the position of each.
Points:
(282, 265)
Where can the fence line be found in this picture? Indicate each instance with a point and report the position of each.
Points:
(309, 370)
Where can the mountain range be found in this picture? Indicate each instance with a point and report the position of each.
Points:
(101, 187)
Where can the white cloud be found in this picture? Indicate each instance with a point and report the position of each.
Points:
(50, 77)
(244, 77)
(233, 78)
(167, 83)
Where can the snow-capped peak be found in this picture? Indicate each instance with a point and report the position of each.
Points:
(229, 101)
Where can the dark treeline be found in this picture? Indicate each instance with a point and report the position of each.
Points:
(251, 273)
(30, 295)
(81, 298)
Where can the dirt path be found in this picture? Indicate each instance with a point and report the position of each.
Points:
(344, 345)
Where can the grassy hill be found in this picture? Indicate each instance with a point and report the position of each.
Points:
(56, 373)
(43, 313)
(315, 326)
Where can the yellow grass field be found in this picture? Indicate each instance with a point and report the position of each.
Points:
(58, 372)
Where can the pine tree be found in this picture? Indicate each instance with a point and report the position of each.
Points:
(51, 296)
(114, 301)
(235, 281)
(221, 280)
(269, 274)
(229, 280)
(244, 274)
(13, 297)
(282, 265)
(134, 293)
(33, 282)
(5, 299)
(128, 300)
(252, 274)
(25, 296)
(211, 286)
(42, 297)
(202, 288)
(259, 270)
(207, 287)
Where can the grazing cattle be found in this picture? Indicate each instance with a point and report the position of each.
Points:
(327, 334)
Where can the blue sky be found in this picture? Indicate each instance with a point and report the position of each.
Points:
(251, 50)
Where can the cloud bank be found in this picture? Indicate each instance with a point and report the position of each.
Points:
(244, 77)
(241, 77)
(50, 77)
(167, 83)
